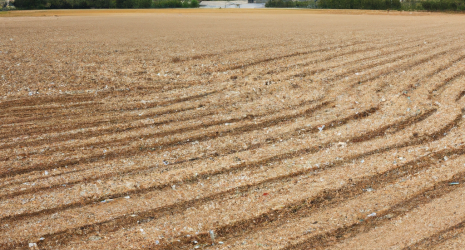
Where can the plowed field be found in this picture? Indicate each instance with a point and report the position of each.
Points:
(240, 130)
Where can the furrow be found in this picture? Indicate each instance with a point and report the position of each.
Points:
(440, 237)
(224, 152)
(211, 174)
(80, 125)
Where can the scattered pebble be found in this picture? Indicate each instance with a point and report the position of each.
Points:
(321, 128)
(212, 235)
(32, 245)
(454, 183)
(94, 238)
(371, 215)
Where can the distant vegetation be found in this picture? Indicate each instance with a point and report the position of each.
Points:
(441, 5)
(337, 4)
(104, 4)
(360, 4)
(290, 4)
(429, 5)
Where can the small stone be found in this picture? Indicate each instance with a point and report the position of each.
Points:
(42, 238)
(212, 235)
(127, 197)
(31, 245)
(94, 238)
(372, 215)
(389, 216)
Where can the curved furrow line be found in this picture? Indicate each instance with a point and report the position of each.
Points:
(280, 158)
(441, 87)
(460, 96)
(218, 153)
(428, 195)
(241, 189)
(339, 54)
(390, 58)
(55, 110)
(159, 146)
(79, 125)
(245, 227)
(30, 113)
(391, 70)
(105, 131)
(405, 66)
(400, 126)
(74, 109)
(105, 93)
(222, 53)
(290, 214)
(68, 99)
(28, 102)
(250, 64)
(306, 52)
(280, 218)
(193, 117)
(439, 237)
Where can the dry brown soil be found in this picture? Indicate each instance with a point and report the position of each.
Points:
(256, 129)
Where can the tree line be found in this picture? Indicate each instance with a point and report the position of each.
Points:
(104, 4)
(338, 4)
(429, 5)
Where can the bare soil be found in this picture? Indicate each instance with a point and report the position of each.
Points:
(232, 129)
